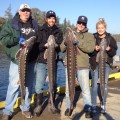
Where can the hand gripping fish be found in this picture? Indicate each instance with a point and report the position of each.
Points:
(71, 63)
(102, 61)
(22, 56)
(50, 55)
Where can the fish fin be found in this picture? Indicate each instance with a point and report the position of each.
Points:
(56, 45)
(47, 79)
(46, 54)
(17, 55)
(18, 82)
(78, 51)
(97, 57)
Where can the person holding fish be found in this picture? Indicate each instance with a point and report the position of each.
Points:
(14, 37)
(49, 37)
(77, 64)
(101, 60)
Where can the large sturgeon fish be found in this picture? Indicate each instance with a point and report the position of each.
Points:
(102, 61)
(50, 55)
(71, 63)
(22, 56)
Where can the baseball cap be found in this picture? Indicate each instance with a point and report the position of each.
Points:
(24, 6)
(82, 19)
(50, 13)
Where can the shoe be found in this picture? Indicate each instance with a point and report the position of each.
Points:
(27, 114)
(5, 117)
(88, 114)
(68, 112)
(38, 105)
(94, 109)
(103, 110)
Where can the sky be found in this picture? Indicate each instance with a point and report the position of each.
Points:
(72, 9)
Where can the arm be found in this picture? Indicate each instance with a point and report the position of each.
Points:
(8, 36)
(63, 47)
(87, 43)
(113, 47)
(59, 37)
(40, 41)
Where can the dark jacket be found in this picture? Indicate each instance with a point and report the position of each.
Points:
(110, 54)
(11, 33)
(43, 34)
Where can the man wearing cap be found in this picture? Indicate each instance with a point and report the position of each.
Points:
(13, 36)
(48, 28)
(86, 44)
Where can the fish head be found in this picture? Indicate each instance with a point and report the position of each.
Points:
(51, 41)
(71, 35)
(103, 44)
(30, 42)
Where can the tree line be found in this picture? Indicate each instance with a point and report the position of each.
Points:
(39, 16)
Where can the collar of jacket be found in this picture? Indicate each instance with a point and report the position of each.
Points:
(46, 27)
(16, 20)
(98, 39)
(96, 35)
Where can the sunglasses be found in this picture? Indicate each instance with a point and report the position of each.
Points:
(28, 10)
(81, 23)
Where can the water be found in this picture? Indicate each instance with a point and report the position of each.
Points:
(4, 69)
(118, 51)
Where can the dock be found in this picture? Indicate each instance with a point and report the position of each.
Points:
(112, 107)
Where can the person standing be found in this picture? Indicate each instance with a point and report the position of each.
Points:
(111, 49)
(13, 36)
(48, 28)
(85, 43)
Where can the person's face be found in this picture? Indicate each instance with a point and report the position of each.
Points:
(24, 15)
(51, 21)
(101, 29)
(80, 26)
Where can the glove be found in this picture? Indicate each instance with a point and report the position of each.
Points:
(76, 42)
(46, 45)
(21, 40)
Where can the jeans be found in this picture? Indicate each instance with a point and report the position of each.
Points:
(41, 74)
(14, 87)
(83, 78)
(96, 85)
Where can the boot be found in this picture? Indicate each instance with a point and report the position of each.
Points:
(88, 114)
(38, 108)
(53, 109)
(68, 112)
